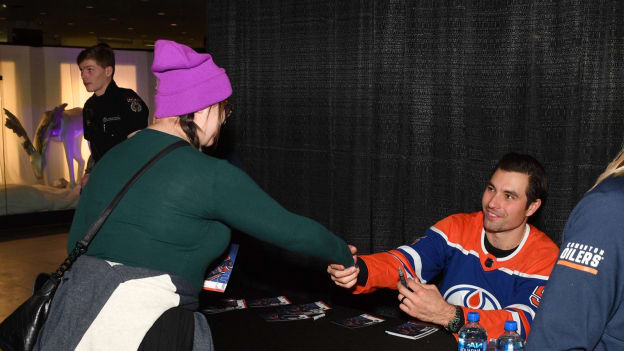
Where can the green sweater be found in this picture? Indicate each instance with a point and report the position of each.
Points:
(176, 218)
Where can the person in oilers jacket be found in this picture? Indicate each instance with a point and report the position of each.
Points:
(583, 307)
(491, 261)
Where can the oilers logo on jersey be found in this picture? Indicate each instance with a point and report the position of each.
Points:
(471, 296)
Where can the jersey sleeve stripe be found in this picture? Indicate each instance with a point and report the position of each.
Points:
(415, 261)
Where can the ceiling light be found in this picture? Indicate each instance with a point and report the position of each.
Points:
(89, 6)
(160, 13)
(173, 24)
(70, 23)
(4, 6)
(92, 32)
(130, 28)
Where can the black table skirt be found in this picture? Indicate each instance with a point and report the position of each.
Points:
(246, 330)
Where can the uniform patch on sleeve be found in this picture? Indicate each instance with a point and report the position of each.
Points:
(581, 257)
(135, 104)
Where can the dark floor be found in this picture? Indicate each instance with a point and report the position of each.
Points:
(25, 254)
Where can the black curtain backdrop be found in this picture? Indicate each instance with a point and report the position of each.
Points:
(379, 118)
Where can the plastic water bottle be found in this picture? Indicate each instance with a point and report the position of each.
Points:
(510, 340)
(472, 336)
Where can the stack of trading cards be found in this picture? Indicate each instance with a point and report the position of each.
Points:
(363, 320)
(226, 305)
(218, 278)
(412, 330)
(314, 310)
(269, 302)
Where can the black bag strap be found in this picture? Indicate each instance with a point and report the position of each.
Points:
(82, 245)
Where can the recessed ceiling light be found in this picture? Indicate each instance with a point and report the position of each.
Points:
(4, 6)
(91, 32)
(130, 28)
(173, 24)
(160, 13)
(89, 6)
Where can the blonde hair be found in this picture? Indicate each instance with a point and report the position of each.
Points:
(615, 169)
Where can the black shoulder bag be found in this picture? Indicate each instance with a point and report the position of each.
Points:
(19, 331)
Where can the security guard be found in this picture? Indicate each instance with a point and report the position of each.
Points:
(110, 117)
(112, 113)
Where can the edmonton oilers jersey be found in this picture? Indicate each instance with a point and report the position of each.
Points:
(505, 288)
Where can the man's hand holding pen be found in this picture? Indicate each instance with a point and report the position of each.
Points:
(424, 302)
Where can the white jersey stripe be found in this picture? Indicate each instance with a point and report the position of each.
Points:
(476, 254)
(417, 261)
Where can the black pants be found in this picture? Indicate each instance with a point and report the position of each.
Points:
(173, 330)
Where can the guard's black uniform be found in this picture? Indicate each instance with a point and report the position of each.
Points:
(109, 118)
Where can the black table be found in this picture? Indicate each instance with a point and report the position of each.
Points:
(245, 329)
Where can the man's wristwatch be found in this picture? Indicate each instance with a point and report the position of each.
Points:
(458, 321)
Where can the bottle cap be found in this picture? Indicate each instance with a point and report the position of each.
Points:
(474, 317)
(511, 326)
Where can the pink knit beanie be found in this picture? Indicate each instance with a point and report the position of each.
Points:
(187, 81)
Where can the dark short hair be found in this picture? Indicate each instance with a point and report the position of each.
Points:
(190, 128)
(103, 55)
(538, 183)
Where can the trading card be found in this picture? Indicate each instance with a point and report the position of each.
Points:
(226, 305)
(362, 320)
(268, 302)
(277, 316)
(412, 330)
(307, 309)
(314, 310)
(218, 278)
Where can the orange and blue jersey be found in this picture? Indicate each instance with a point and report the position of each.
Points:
(506, 288)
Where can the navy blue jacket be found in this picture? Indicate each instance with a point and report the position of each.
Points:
(583, 303)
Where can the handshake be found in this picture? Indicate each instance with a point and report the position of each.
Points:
(421, 301)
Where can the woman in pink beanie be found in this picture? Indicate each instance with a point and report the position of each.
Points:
(137, 285)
